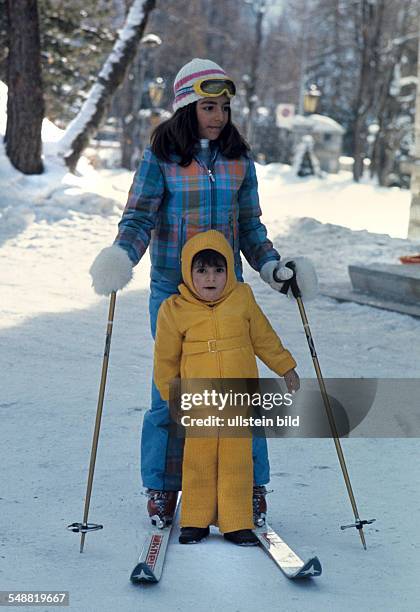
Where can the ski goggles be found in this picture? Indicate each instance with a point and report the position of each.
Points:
(209, 88)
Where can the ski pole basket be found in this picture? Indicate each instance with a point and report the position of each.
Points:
(84, 527)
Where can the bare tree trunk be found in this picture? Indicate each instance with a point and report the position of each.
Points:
(84, 126)
(131, 104)
(386, 105)
(379, 165)
(371, 24)
(414, 223)
(251, 85)
(125, 104)
(25, 103)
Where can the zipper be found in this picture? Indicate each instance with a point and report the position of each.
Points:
(235, 242)
(212, 200)
(210, 173)
(180, 235)
(232, 232)
(219, 365)
(212, 191)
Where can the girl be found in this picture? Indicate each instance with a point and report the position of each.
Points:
(196, 175)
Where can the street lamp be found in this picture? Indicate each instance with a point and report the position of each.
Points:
(156, 89)
(133, 124)
(310, 99)
(305, 161)
(149, 43)
(151, 40)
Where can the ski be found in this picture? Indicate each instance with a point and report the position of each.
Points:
(287, 560)
(150, 563)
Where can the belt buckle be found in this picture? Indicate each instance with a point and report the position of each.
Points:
(212, 346)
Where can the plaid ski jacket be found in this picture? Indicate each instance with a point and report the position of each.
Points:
(168, 204)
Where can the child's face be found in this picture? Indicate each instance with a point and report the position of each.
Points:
(212, 116)
(209, 281)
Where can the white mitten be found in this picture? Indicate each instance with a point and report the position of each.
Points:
(111, 270)
(276, 266)
(305, 276)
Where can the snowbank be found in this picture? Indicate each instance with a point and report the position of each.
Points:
(50, 196)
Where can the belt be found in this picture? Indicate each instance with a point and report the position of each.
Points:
(214, 346)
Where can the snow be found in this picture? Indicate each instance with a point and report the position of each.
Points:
(334, 199)
(52, 333)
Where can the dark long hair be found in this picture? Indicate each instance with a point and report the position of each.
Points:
(179, 135)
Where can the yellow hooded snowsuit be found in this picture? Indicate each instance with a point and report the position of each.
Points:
(217, 473)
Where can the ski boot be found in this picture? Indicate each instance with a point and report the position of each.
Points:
(242, 537)
(161, 507)
(193, 535)
(259, 505)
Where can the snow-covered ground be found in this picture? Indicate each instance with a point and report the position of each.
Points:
(52, 331)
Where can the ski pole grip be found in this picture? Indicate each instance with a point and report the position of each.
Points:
(291, 283)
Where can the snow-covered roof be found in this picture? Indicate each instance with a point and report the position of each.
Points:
(408, 80)
(318, 123)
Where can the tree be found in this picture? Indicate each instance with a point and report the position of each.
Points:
(25, 103)
(76, 37)
(131, 99)
(333, 60)
(414, 223)
(370, 28)
(88, 120)
(259, 8)
(395, 94)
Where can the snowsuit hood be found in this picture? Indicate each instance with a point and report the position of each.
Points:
(211, 239)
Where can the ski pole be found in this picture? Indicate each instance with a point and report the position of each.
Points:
(293, 286)
(85, 527)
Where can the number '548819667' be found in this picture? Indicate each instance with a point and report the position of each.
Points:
(33, 598)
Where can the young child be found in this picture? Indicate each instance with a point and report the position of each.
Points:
(197, 174)
(214, 329)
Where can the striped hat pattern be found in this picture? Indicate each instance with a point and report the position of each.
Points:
(190, 73)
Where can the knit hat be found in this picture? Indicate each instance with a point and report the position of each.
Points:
(190, 73)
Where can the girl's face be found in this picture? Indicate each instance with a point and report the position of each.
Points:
(212, 116)
(209, 281)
